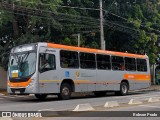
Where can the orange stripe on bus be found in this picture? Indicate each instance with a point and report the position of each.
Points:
(72, 48)
(90, 82)
(20, 84)
(137, 77)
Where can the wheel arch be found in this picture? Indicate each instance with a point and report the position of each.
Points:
(70, 82)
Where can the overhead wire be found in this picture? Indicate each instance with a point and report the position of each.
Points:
(67, 17)
(61, 6)
(82, 20)
(70, 20)
(129, 21)
(76, 26)
(22, 8)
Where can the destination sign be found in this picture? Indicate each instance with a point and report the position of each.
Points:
(24, 48)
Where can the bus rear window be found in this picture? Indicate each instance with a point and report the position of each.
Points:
(141, 65)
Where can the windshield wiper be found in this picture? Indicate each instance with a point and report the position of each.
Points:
(15, 57)
(21, 59)
(25, 56)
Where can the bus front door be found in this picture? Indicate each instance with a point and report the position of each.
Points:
(47, 72)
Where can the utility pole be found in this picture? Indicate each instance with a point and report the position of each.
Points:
(79, 40)
(101, 26)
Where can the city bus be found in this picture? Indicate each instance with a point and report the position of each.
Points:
(52, 69)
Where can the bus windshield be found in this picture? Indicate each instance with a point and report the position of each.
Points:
(22, 65)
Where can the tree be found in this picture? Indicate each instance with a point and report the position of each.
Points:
(26, 22)
(142, 17)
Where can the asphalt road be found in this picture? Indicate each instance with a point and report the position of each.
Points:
(152, 109)
(142, 112)
(30, 103)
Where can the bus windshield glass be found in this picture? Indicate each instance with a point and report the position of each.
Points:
(22, 64)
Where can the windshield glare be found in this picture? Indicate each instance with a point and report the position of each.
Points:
(22, 65)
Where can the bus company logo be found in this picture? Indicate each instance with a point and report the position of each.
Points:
(48, 50)
(77, 74)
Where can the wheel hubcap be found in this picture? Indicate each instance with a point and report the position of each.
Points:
(65, 91)
(124, 89)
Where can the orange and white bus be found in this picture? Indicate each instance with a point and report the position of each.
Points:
(46, 68)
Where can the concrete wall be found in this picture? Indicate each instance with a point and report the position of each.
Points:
(3, 78)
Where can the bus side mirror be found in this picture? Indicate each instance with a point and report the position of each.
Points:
(46, 57)
(12, 61)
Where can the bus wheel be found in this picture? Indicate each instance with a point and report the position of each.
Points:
(65, 92)
(41, 96)
(99, 93)
(123, 89)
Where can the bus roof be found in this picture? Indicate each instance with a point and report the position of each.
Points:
(72, 48)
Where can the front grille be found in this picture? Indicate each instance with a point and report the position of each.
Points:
(21, 90)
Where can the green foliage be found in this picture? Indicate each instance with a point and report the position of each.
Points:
(143, 16)
(137, 23)
(5, 17)
(20, 28)
(138, 13)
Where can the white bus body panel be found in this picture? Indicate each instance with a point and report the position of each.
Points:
(85, 80)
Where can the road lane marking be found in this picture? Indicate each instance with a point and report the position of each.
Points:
(136, 96)
(151, 106)
(20, 96)
(146, 96)
(12, 97)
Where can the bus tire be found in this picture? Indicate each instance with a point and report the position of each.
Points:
(99, 93)
(41, 96)
(65, 92)
(123, 89)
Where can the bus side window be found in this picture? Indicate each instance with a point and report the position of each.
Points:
(64, 63)
(87, 60)
(103, 62)
(46, 62)
(117, 63)
(69, 59)
(141, 65)
(130, 64)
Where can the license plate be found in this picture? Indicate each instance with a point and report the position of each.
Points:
(17, 92)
